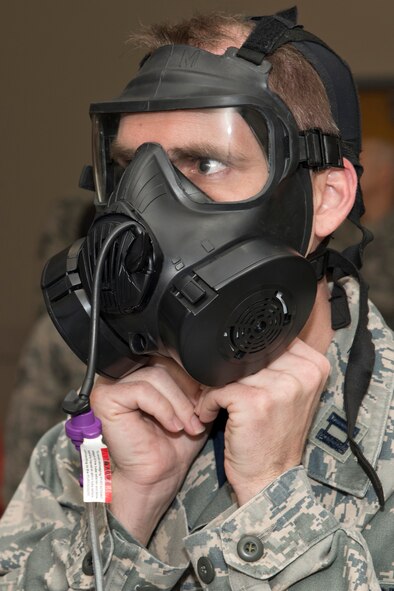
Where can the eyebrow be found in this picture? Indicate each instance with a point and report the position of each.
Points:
(120, 152)
(192, 151)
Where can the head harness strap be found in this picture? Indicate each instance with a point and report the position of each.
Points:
(270, 33)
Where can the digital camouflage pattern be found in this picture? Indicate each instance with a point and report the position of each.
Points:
(317, 527)
(47, 370)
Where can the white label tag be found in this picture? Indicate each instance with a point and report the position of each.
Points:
(96, 471)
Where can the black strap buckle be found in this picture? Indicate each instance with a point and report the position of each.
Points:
(320, 150)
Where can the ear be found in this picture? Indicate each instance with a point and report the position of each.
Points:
(334, 193)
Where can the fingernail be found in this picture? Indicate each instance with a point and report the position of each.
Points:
(198, 426)
(177, 424)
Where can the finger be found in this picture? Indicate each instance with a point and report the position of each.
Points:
(187, 384)
(213, 400)
(184, 405)
(128, 399)
(297, 377)
(147, 382)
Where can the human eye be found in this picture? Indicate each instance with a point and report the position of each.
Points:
(200, 163)
(207, 166)
(121, 155)
(122, 162)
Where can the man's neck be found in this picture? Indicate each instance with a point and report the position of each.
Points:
(317, 332)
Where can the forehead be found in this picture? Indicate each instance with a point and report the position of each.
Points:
(179, 127)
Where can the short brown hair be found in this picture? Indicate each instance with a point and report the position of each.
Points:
(292, 77)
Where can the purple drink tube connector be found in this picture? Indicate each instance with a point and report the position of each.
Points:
(80, 427)
(84, 426)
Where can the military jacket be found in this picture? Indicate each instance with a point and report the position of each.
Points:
(317, 527)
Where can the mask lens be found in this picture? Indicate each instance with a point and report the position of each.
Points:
(228, 163)
(99, 164)
(107, 172)
(216, 149)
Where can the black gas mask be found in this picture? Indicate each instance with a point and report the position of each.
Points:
(205, 200)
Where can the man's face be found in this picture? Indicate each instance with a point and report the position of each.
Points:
(214, 148)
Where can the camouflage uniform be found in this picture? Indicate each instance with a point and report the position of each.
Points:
(48, 369)
(317, 527)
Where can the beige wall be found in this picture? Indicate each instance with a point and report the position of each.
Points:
(57, 57)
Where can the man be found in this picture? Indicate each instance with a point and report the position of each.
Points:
(283, 504)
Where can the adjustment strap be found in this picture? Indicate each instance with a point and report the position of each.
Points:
(269, 33)
(217, 436)
(355, 252)
(319, 259)
(360, 363)
(362, 352)
(340, 313)
(320, 150)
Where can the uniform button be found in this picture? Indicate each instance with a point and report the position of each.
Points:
(87, 564)
(205, 570)
(250, 548)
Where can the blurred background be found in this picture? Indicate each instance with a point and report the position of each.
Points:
(57, 57)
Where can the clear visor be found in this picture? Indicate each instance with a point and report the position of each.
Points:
(221, 151)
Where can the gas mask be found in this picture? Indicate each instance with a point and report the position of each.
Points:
(204, 208)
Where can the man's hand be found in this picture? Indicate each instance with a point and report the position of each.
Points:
(270, 414)
(153, 436)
